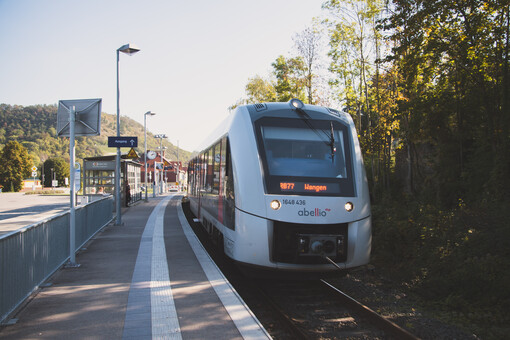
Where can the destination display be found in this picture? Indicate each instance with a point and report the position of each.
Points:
(301, 187)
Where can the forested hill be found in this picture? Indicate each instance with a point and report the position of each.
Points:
(35, 128)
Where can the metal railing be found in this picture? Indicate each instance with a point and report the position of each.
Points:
(30, 255)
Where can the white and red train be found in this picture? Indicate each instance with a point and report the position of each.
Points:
(282, 186)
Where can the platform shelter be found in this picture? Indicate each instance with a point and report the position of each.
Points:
(99, 178)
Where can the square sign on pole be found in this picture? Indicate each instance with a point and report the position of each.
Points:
(88, 117)
(78, 117)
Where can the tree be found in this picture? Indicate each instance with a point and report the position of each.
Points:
(57, 168)
(308, 47)
(453, 60)
(353, 42)
(15, 166)
(260, 90)
(354, 51)
(290, 78)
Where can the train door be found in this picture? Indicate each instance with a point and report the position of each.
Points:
(204, 181)
(201, 179)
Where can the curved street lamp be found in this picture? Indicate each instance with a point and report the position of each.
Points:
(128, 49)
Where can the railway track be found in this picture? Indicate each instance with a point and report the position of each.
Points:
(386, 325)
(303, 309)
(317, 310)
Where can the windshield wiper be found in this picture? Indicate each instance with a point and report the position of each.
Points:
(330, 141)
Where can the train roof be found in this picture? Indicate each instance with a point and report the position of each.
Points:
(260, 108)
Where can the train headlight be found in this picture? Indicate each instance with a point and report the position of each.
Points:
(296, 103)
(349, 206)
(275, 204)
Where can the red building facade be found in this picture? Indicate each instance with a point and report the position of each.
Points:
(160, 168)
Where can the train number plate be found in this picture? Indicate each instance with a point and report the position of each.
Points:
(293, 202)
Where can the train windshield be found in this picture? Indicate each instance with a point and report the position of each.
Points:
(305, 157)
(303, 152)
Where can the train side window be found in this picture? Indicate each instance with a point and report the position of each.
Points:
(216, 168)
(211, 165)
(229, 206)
(229, 174)
(196, 175)
(226, 147)
(209, 172)
(203, 172)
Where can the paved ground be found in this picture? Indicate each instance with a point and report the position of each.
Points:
(18, 210)
(88, 302)
(130, 278)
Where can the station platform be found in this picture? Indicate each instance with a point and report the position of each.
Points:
(149, 278)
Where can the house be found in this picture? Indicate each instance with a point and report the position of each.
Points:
(162, 169)
(32, 184)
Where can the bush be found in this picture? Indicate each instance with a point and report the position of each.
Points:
(458, 259)
(46, 192)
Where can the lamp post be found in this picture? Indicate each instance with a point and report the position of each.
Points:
(52, 177)
(145, 154)
(128, 49)
(163, 171)
(161, 155)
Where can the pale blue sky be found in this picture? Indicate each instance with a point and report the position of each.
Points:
(195, 60)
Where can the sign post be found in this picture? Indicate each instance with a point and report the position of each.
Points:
(34, 174)
(86, 112)
(72, 237)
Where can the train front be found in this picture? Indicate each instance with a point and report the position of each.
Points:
(314, 211)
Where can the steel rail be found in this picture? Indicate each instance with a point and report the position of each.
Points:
(382, 322)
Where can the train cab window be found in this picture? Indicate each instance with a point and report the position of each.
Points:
(298, 155)
(301, 152)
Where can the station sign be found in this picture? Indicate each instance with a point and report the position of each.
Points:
(77, 179)
(99, 165)
(122, 142)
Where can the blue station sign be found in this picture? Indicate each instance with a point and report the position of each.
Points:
(122, 142)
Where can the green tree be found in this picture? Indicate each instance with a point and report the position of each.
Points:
(453, 60)
(354, 47)
(15, 166)
(35, 128)
(260, 90)
(290, 78)
(55, 168)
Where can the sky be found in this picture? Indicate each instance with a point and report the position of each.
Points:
(194, 62)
